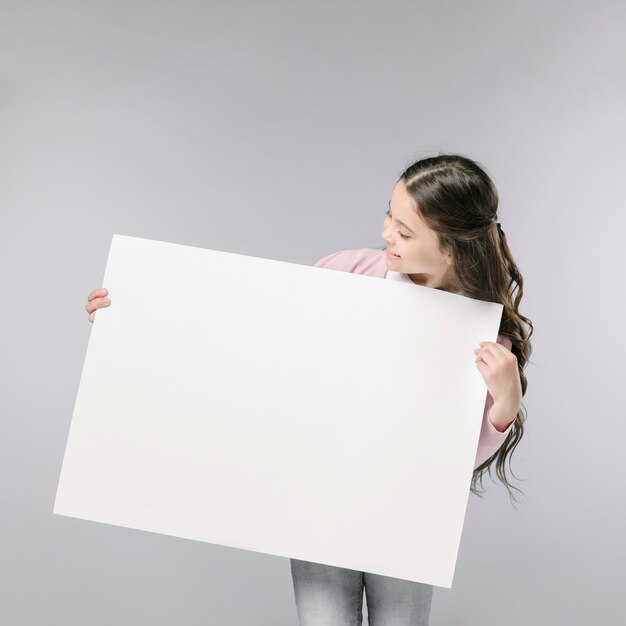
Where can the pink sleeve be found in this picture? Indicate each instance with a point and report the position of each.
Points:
(490, 438)
(343, 260)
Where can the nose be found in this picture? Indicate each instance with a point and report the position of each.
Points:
(386, 234)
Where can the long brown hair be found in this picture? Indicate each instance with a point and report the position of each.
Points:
(458, 200)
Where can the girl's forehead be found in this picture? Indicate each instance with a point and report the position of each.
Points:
(402, 201)
(402, 198)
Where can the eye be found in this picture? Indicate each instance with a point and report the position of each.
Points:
(388, 214)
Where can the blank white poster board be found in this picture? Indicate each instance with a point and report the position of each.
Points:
(281, 408)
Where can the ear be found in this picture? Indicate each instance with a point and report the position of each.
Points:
(448, 257)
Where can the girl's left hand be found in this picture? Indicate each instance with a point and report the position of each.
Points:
(499, 369)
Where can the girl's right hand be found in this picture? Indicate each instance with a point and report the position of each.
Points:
(96, 299)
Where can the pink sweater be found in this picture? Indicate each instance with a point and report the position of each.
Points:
(372, 263)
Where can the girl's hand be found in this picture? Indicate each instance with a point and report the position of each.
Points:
(499, 369)
(96, 299)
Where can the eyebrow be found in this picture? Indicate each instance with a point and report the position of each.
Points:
(402, 223)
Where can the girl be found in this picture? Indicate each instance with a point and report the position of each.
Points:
(440, 231)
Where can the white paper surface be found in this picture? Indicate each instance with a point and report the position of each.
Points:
(281, 408)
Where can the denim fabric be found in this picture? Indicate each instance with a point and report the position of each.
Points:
(333, 596)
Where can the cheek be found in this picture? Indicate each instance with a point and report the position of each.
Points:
(421, 254)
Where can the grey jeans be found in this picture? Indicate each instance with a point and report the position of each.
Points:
(333, 596)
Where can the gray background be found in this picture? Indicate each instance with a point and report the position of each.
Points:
(277, 129)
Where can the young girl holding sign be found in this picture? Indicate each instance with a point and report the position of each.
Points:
(441, 231)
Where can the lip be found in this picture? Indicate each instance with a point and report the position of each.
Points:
(391, 254)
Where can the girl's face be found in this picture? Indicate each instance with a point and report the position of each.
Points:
(416, 245)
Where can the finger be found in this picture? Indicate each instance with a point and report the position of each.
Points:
(487, 356)
(96, 304)
(92, 316)
(497, 346)
(493, 349)
(483, 368)
(97, 292)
